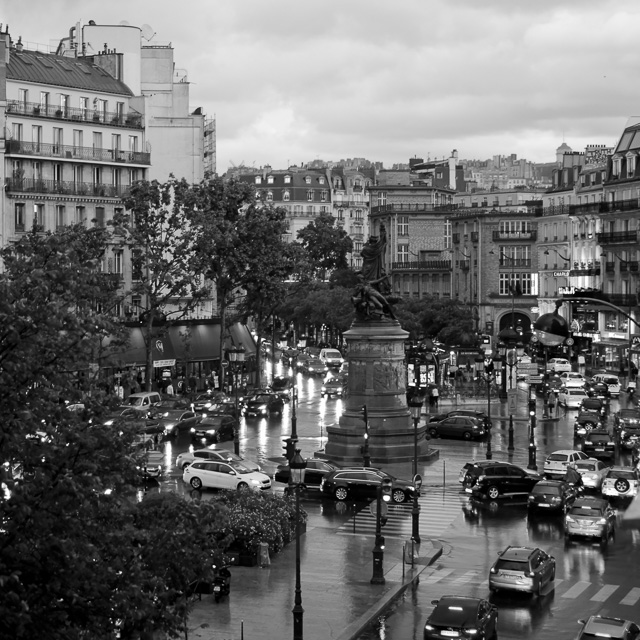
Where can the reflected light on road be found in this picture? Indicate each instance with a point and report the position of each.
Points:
(583, 560)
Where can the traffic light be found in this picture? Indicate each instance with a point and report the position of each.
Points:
(289, 448)
(386, 489)
(365, 416)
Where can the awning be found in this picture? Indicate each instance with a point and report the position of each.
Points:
(611, 342)
(197, 342)
(134, 351)
(240, 335)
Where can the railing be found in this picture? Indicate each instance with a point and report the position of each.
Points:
(350, 203)
(587, 271)
(33, 185)
(399, 207)
(18, 147)
(515, 235)
(514, 262)
(131, 120)
(604, 207)
(617, 236)
(422, 265)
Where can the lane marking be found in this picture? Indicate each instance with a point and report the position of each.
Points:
(576, 590)
(605, 592)
(632, 597)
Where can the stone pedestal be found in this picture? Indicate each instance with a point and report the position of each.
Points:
(377, 380)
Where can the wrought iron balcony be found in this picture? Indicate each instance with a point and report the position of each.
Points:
(422, 265)
(130, 120)
(618, 237)
(46, 150)
(604, 207)
(623, 299)
(514, 262)
(65, 187)
(515, 235)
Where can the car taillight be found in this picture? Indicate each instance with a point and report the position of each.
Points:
(528, 574)
(494, 570)
(602, 521)
(482, 478)
(569, 519)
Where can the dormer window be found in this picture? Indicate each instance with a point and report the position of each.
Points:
(258, 195)
(287, 179)
(286, 196)
(616, 167)
(323, 196)
(321, 179)
(631, 164)
(307, 179)
(269, 179)
(258, 180)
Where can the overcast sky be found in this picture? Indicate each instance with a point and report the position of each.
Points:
(291, 81)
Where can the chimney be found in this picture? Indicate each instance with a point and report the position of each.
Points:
(453, 160)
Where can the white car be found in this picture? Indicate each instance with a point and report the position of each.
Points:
(558, 364)
(573, 380)
(224, 475)
(592, 471)
(571, 398)
(612, 382)
(621, 482)
(219, 455)
(556, 463)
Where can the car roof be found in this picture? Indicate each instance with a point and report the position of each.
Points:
(517, 553)
(606, 627)
(591, 501)
(566, 452)
(550, 483)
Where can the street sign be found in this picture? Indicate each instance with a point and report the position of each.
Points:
(535, 379)
(225, 364)
(569, 342)
(512, 400)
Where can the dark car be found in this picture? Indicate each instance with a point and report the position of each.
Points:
(465, 427)
(599, 443)
(333, 387)
(361, 483)
(598, 390)
(214, 428)
(626, 425)
(471, 413)
(264, 404)
(172, 421)
(132, 417)
(551, 496)
(204, 401)
(315, 367)
(462, 617)
(584, 422)
(283, 386)
(157, 410)
(492, 479)
(596, 405)
(313, 474)
(226, 408)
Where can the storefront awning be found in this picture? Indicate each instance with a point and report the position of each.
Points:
(134, 350)
(197, 342)
(240, 335)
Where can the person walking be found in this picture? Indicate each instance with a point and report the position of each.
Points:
(435, 393)
(552, 402)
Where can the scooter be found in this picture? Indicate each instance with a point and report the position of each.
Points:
(222, 584)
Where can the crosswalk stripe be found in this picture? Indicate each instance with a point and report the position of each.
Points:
(605, 592)
(436, 577)
(576, 589)
(632, 597)
(465, 577)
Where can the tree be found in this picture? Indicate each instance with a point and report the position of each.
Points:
(326, 244)
(165, 272)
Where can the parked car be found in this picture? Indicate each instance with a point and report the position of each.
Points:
(473, 413)
(621, 482)
(214, 428)
(612, 382)
(572, 397)
(466, 427)
(283, 386)
(556, 365)
(224, 475)
(493, 479)
(315, 471)
(585, 421)
(548, 496)
(626, 425)
(573, 380)
(556, 463)
(456, 615)
(599, 443)
(607, 627)
(333, 387)
(218, 455)
(592, 471)
(590, 517)
(264, 404)
(525, 569)
(315, 367)
(173, 421)
(361, 483)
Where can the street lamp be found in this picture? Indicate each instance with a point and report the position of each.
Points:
(485, 369)
(546, 253)
(297, 465)
(532, 443)
(236, 360)
(383, 495)
(415, 405)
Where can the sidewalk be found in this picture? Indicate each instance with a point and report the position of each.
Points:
(337, 597)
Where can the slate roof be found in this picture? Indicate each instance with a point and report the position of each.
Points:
(61, 71)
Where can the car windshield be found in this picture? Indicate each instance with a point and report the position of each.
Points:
(454, 615)
(280, 383)
(557, 457)
(597, 438)
(577, 392)
(332, 354)
(540, 489)
(586, 466)
(240, 468)
(261, 399)
(612, 381)
(134, 402)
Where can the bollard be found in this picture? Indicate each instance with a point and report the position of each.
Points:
(510, 448)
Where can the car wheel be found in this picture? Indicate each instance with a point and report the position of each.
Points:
(398, 496)
(467, 435)
(433, 432)
(493, 492)
(341, 493)
(196, 483)
(553, 575)
(242, 486)
(622, 485)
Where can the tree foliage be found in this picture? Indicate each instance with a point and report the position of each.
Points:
(326, 244)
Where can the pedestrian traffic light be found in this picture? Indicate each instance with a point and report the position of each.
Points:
(289, 448)
(386, 489)
(365, 416)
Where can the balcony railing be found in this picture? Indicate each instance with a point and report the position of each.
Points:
(341, 204)
(33, 185)
(614, 237)
(19, 147)
(586, 271)
(623, 299)
(131, 120)
(399, 207)
(604, 207)
(422, 265)
(515, 262)
(515, 235)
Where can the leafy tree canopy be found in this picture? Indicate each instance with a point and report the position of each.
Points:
(326, 244)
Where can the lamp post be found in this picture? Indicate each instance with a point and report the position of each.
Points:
(415, 405)
(383, 495)
(297, 465)
(236, 360)
(532, 443)
(366, 458)
(484, 369)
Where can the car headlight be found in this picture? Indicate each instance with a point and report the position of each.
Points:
(108, 423)
(211, 432)
(323, 389)
(254, 481)
(193, 429)
(262, 407)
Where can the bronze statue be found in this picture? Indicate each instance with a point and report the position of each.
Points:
(373, 258)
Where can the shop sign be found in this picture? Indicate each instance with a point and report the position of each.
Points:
(566, 291)
(634, 344)
(164, 363)
(613, 335)
(561, 274)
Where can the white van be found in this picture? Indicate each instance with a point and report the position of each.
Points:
(143, 401)
(332, 358)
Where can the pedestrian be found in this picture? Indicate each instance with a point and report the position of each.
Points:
(551, 402)
(436, 394)
(169, 389)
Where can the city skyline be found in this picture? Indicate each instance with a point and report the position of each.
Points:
(382, 82)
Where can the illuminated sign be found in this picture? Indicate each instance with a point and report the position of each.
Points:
(560, 274)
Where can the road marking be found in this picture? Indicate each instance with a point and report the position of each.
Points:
(605, 592)
(465, 577)
(576, 590)
(632, 597)
(436, 577)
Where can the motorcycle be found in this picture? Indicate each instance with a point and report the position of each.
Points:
(221, 584)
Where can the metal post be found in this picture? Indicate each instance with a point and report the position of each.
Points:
(545, 411)
(510, 447)
(294, 417)
(415, 511)
(298, 611)
(378, 549)
(236, 430)
(366, 458)
(532, 443)
(489, 455)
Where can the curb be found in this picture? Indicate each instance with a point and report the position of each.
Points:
(356, 628)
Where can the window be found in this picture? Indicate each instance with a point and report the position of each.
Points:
(99, 220)
(310, 195)
(340, 214)
(269, 179)
(80, 215)
(58, 173)
(36, 136)
(136, 266)
(447, 234)
(258, 180)
(120, 111)
(84, 108)
(323, 196)
(118, 261)
(97, 143)
(78, 175)
(324, 209)
(44, 101)
(36, 170)
(286, 196)
(403, 225)
(133, 144)
(403, 253)
(631, 164)
(382, 199)
(116, 178)
(270, 196)
(64, 104)
(38, 215)
(24, 97)
(97, 176)
(287, 179)
(307, 179)
(116, 140)
(60, 215)
(616, 167)
(358, 214)
(104, 105)
(297, 209)
(17, 131)
(134, 175)
(57, 140)
(19, 216)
